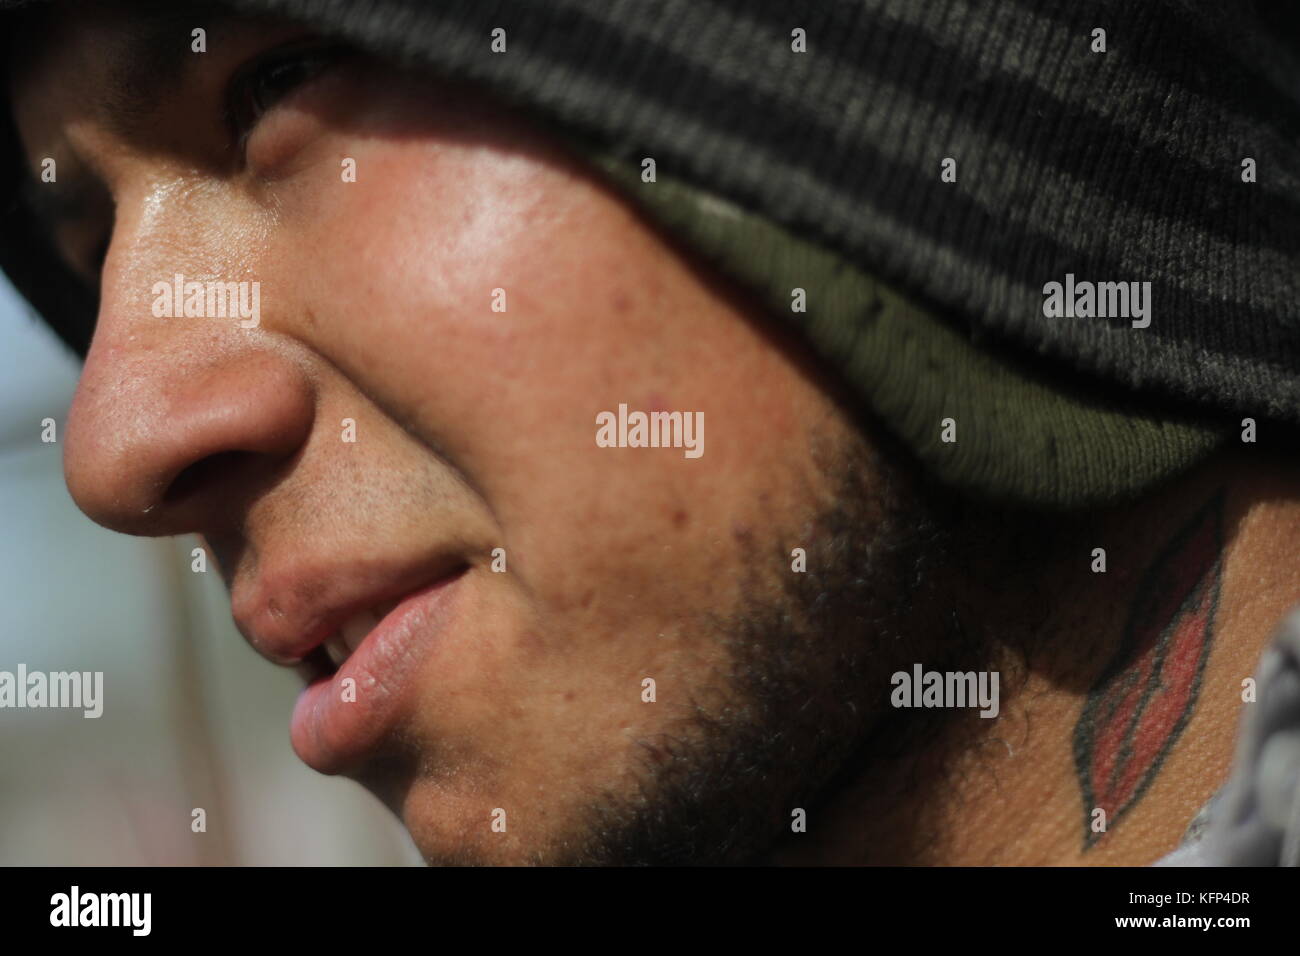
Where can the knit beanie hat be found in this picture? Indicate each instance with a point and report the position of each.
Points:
(1054, 247)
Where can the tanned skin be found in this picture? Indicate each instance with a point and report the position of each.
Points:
(1121, 690)
(1144, 699)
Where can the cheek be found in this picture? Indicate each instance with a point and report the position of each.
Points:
(492, 300)
(400, 293)
(434, 269)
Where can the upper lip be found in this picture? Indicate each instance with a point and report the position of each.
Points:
(288, 612)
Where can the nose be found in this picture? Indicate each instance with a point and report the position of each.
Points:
(178, 419)
(175, 432)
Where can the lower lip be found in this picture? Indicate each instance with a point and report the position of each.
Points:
(336, 725)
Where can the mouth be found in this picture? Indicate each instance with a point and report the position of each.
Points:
(361, 679)
(327, 657)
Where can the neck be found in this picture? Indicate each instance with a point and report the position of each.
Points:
(1115, 731)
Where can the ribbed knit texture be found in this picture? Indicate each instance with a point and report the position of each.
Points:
(1115, 166)
(1021, 436)
(1122, 166)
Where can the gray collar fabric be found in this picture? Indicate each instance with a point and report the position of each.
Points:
(1254, 819)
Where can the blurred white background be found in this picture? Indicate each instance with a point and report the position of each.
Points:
(192, 716)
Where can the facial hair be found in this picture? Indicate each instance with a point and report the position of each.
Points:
(804, 709)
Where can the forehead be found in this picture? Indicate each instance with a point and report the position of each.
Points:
(101, 60)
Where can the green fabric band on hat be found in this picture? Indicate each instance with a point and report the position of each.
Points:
(1021, 438)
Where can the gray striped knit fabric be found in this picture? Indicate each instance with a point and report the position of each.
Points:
(1117, 166)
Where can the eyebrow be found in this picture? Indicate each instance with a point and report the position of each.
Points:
(150, 59)
(154, 56)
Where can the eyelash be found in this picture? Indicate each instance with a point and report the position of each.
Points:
(248, 97)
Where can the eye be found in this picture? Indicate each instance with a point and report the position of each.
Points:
(259, 85)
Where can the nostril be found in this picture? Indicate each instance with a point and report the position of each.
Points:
(205, 472)
(182, 437)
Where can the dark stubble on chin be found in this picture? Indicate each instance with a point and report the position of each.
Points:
(804, 711)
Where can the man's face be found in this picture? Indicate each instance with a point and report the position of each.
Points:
(435, 342)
